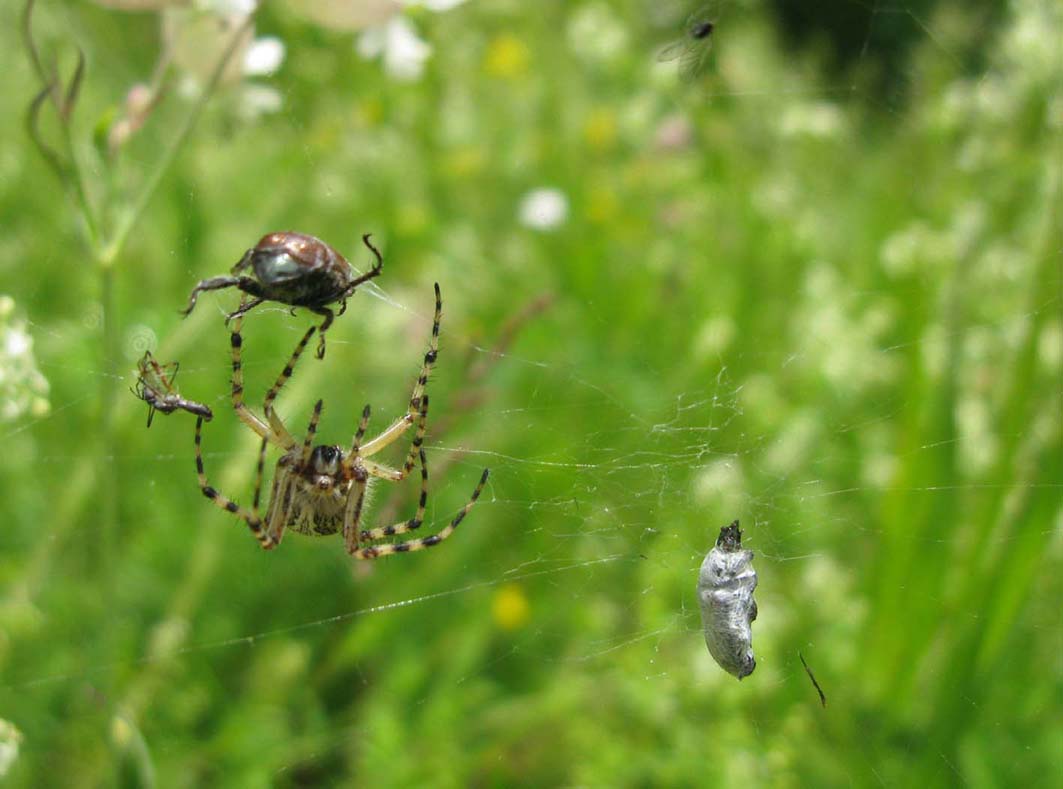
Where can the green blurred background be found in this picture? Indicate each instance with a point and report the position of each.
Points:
(817, 287)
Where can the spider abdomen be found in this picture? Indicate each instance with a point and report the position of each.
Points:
(315, 520)
(315, 514)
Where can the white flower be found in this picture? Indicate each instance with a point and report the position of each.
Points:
(263, 57)
(229, 7)
(543, 209)
(403, 51)
(10, 739)
(435, 5)
(22, 387)
(596, 34)
(812, 119)
(199, 39)
(349, 15)
(257, 100)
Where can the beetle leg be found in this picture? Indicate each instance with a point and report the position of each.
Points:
(246, 284)
(374, 271)
(376, 253)
(244, 307)
(329, 317)
(244, 262)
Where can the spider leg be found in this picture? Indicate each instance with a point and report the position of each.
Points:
(352, 513)
(419, 544)
(275, 422)
(370, 535)
(397, 475)
(246, 284)
(258, 475)
(403, 422)
(222, 502)
(279, 503)
(311, 431)
(363, 425)
(275, 431)
(418, 440)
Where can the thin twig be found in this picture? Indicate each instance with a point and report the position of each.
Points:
(811, 676)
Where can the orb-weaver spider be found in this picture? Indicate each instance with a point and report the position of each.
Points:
(319, 490)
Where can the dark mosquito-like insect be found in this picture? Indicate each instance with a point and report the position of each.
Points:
(692, 48)
(155, 387)
(294, 269)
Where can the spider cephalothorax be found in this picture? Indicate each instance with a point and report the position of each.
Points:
(321, 489)
(295, 269)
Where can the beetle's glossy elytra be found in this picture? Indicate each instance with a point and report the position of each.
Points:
(298, 269)
(295, 269)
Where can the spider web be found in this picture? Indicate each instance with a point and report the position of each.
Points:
(616, 494)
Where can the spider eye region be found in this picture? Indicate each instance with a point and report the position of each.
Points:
(326, 460)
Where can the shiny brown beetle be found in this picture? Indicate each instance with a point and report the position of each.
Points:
(294, 269)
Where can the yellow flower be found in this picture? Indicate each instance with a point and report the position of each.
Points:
(599, 130)
(510, 607)
(601, 205)
(506, 57)
(464, 162)
(412, 218)
(370, 112)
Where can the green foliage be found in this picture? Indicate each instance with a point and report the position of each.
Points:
(772, 298)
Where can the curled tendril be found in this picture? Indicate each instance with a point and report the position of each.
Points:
(31, 46)
(64, 100)
(74, 88)
(33, 128)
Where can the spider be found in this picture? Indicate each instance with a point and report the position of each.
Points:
(155, 387)
(294, 269)
(320, 490)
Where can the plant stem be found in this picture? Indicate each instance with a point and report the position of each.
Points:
(110, 478)
(127, 221)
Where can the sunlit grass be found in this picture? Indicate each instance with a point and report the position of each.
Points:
(763, 297)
